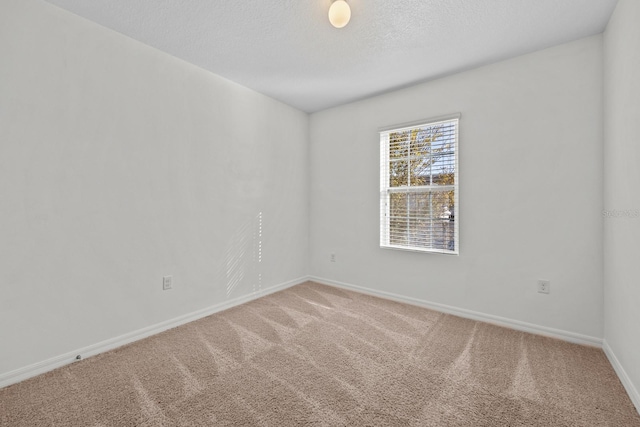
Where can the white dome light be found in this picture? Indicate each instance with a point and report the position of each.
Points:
(339, 13)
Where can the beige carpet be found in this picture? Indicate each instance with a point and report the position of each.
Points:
(314, 355)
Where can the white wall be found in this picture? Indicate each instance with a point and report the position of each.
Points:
(530, 191)
(120, 164)
(622, 195)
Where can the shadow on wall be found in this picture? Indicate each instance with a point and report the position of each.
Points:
(243, 260)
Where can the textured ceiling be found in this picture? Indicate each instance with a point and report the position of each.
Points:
(287, 49)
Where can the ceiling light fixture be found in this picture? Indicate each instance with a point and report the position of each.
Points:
(339, 13)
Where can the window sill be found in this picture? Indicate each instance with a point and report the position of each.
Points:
(421, 250)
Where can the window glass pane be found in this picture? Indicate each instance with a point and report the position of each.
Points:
(437, 221)
(398, 158)
(420, 143)
(398, 173)
(398, 222)
(419, 172)
(420, 152)
(443, 156)
(398, 145)
(432, 156)
(424, 219)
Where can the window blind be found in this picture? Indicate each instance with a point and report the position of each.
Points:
(419, 187)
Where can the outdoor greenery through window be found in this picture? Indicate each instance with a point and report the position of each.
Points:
(419, 187)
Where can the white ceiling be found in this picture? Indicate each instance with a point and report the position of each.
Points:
(287, 49)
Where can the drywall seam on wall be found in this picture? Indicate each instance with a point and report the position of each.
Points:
(35, 369)
(470, 314)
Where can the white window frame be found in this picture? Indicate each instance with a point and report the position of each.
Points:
(386, 190)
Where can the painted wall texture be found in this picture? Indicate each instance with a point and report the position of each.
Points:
(622, 198)
(120, 164)
(531, 179)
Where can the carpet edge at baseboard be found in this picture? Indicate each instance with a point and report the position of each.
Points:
(563, 335)
(38, 368)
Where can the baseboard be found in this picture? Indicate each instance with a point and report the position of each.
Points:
(38, 368)
(632, 391)
(470, 314)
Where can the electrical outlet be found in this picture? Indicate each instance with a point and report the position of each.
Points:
(332, 257)
(167, 282)
(544, 286)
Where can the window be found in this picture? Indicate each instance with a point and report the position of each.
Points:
(419, 187)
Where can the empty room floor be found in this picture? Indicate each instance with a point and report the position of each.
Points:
(318, 355)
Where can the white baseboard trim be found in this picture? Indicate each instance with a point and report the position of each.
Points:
(632, 391)
(470, 314)
(38, 368)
